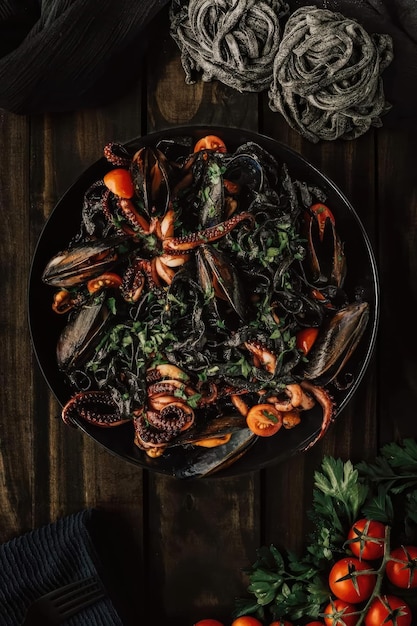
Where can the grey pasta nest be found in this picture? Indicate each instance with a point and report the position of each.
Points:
(233, 41)
(327, 75)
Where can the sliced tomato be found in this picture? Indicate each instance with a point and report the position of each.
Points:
(120, 182)
(210, 142)
(104, 281)
(264, 420)
(305, 339)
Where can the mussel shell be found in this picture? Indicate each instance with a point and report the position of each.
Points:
(81, 262)
(212, 264)
(211, 192)
(336, 342)
(246, 171)
(206, 461)
(81, 333)
(150, 171)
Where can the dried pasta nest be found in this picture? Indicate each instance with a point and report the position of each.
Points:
(327, 75)
(233, 41)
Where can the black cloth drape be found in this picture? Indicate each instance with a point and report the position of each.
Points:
(62, 55)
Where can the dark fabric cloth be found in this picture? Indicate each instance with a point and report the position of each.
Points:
(49, 557)
(62, 55)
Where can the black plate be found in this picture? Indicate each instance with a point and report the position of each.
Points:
(45, 325)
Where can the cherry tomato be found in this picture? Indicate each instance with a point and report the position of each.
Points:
(209, 622)
(315, 623)
(281, 623)
(388, 611)
(264, 420)
(119, 181)
(246, 620)
(305, 339)
(210, 142)
(366, 539)
(104, 281)
(340, 613)
(402, 571)
(348, 583)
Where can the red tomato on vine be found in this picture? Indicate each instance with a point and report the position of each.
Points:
(401, 569)
(388, 611)
(352, 580)
(340, 613)
(366, 539)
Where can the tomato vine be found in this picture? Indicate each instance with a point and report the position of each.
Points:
(283, 585)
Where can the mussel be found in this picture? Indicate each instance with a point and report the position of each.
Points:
(81, 333)
(81, 262)
(337, 340)
(218, 275)
(150, 171)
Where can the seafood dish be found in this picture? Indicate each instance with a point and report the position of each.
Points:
(204, 303)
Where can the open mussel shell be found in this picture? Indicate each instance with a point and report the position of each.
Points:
(246, 171)
(337, 340)
(81, 262)
(202, 462)
(216, 270)
(80, 335)
(150, 171)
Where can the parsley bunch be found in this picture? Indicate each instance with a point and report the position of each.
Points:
(284, 585)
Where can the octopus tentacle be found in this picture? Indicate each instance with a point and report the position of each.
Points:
(326, 402)
(213, 233)
(96, 407)
(263, 356)
(291, 397)
(117, 155)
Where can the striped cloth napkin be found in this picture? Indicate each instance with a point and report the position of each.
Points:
(50, 557)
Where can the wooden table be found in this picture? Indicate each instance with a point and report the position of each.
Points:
(188, 541)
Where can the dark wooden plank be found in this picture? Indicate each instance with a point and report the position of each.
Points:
(397, 203)
(16, 377)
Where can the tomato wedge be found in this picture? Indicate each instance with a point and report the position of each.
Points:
(210, 142)
(264, 420)
(322, 213)
(120, 182)
(305, 339)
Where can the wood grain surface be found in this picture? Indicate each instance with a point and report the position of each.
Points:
(188, 542)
